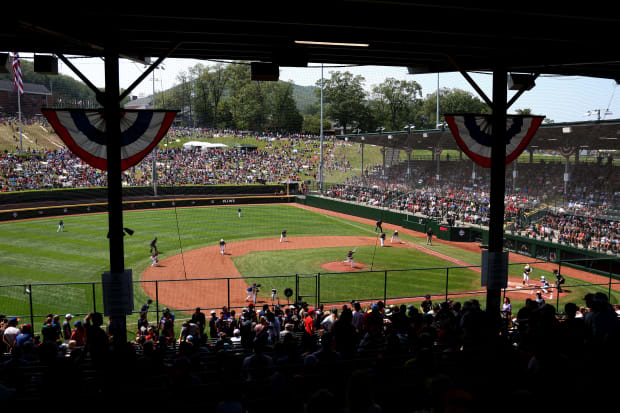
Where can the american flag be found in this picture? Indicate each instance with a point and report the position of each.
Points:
(17, 74)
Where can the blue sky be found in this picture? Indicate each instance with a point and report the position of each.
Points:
(561, 98)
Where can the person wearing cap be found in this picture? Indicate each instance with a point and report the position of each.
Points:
(236, 338)
(395, 237)
(526, 274)
(545, 284)
(427, 304)
(78, 334)
(212, 326)
(10, 333)
(66, 327)
(222, 246)
(199, 319)
(559, 280)
(251, 290)
(539, 299)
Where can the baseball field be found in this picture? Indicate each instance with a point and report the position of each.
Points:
(35, 258)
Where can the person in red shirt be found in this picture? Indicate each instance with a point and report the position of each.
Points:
(309, 323)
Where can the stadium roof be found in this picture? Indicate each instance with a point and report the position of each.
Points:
(596, 135)
(428, 37)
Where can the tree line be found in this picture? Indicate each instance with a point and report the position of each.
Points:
(224, 96)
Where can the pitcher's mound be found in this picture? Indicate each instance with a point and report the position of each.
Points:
(339, 266)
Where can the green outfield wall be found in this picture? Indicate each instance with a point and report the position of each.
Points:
(92, 194)
(99, 207)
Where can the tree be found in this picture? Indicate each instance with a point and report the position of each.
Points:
(185, 97)
(344, 97)
(216, 80)
(451, 101)
(312, 124)
(526, 111)
(397, 98)
(283, 110)
(238, 79)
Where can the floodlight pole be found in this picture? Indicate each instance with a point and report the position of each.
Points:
(498, 178)
(154, 153)
(321, 163)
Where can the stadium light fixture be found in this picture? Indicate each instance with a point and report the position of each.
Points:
(342, 44)
(567, 129)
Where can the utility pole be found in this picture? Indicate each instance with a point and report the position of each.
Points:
(154, 153)
(321, 163)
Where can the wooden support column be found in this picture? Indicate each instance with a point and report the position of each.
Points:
(498, 176)
(115, 195)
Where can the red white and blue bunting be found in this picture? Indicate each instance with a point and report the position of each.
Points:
(567, 151)
(84, 132)
(473, 135)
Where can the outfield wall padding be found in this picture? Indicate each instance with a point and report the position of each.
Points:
(101, 193)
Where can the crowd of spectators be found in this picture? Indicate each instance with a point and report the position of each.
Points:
(423, 357)
(587, 231)
(294, 158)
(590, 207)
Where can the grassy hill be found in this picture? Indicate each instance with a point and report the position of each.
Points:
(33, 137)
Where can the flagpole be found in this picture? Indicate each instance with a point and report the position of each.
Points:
(19, 117)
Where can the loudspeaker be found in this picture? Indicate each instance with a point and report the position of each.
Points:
(5, 63)
(45, 64)
(265, 71)
(518, 81)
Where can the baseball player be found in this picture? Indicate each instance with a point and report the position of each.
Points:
(153, 245)
(350, 257)
(239, 212)
(429, 236)
(545, 284)
(395, 237)
(378, 226)
(154, 257)
(526, 274)
(251, 290)
(61, 226)
(283, 236)
(382, 237)
(222, 246)
(559, 280)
